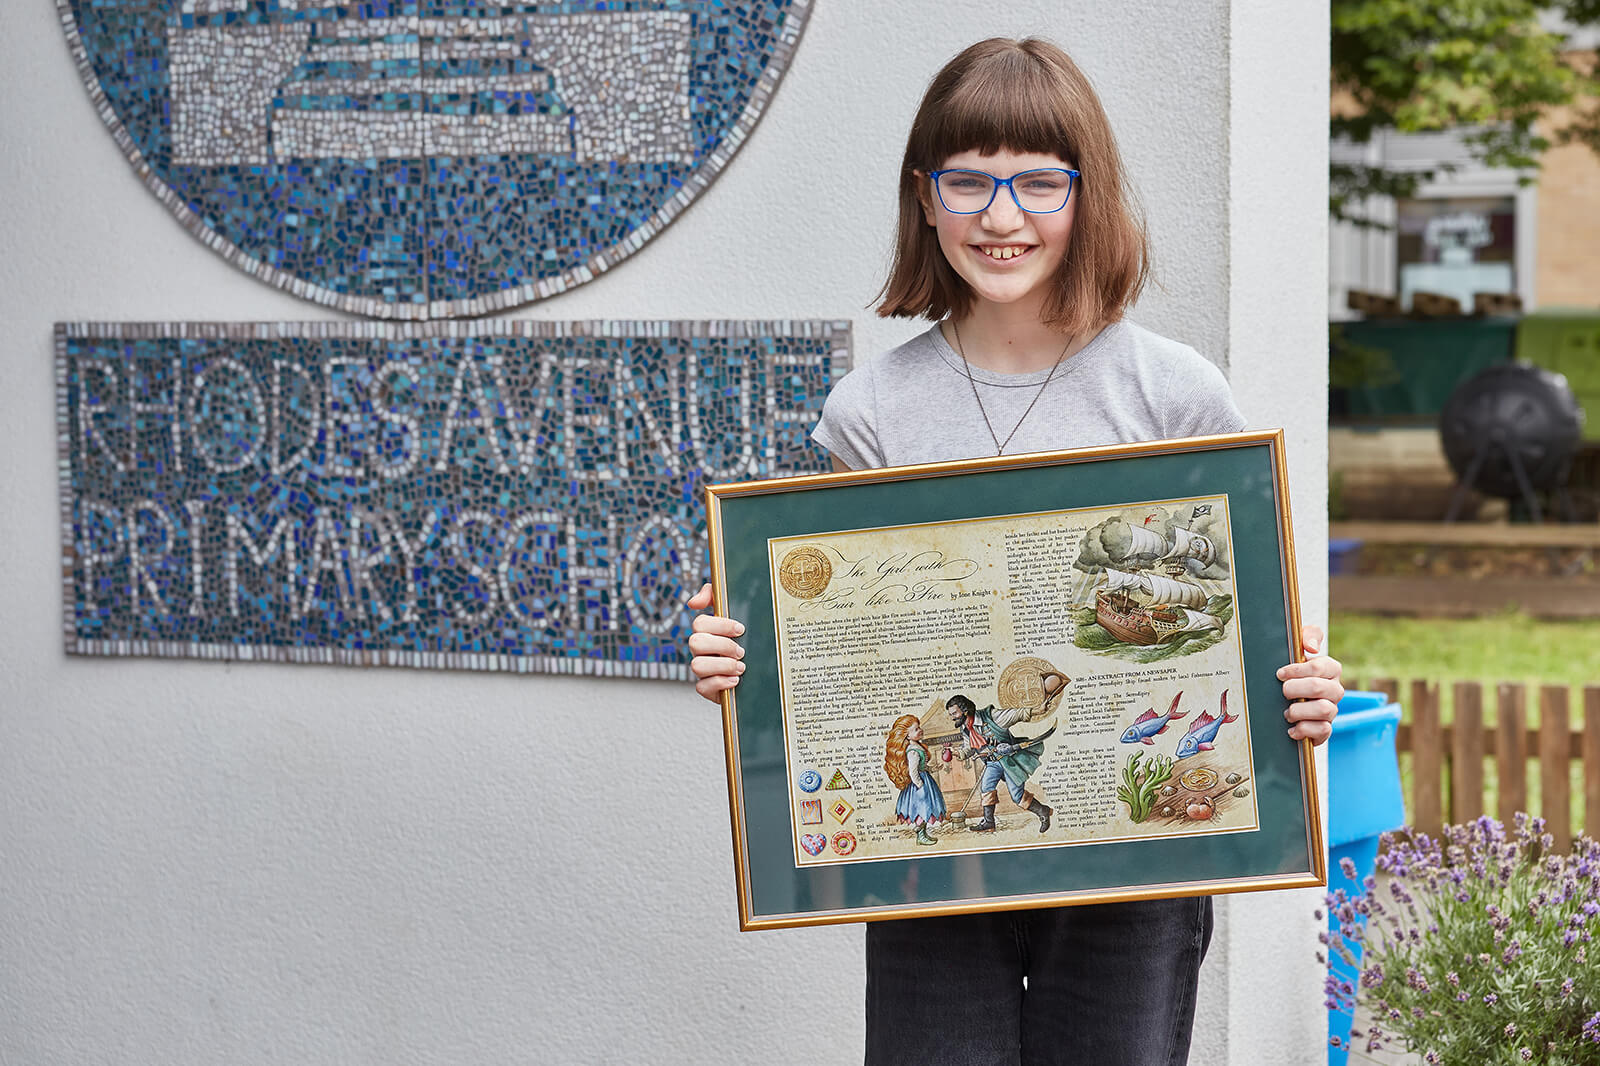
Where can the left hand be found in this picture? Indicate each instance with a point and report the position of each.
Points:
(1314, 689)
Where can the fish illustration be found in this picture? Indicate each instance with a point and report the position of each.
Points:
(1148, 724)
(1204, 730)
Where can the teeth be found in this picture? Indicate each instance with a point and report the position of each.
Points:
(1007, 252)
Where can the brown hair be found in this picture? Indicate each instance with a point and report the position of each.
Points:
(1021, 96)
(894, 751)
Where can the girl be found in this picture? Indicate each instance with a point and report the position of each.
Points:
(905, 760)
(1018, 239)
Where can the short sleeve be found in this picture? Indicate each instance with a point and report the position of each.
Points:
(845, 428)
(1199, 402)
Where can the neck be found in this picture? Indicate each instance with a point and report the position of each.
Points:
(1009, 339)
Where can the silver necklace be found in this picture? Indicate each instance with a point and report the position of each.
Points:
(1000, 445)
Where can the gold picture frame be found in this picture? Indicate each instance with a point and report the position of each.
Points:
(1054, 637)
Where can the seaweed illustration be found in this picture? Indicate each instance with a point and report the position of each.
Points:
(1138, 789)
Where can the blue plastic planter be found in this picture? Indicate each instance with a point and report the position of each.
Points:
(1364, 801)
(1343, 555)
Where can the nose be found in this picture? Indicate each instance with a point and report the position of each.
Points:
(1004, 214)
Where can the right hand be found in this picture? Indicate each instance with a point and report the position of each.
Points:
(718, 660)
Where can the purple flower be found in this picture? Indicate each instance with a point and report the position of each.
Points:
(1454, 979)
(1566, 988)
(1491, 999)
(1527, 1054)
(1347, 866)
(1511, 1029)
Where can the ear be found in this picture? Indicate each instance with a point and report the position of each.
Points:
(925, 196)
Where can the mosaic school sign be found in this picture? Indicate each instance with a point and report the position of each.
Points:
(429, 158)
(520, 496)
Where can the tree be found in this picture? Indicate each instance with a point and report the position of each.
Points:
(1484, 66)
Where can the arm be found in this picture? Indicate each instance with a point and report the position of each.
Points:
(1315, 688)
(915, 762)
(718, 658)
(1006, 717)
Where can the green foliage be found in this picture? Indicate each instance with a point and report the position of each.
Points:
(1353, 366)
(1428, 65)
(1476, 950)
(1138, 788)
(1505, 647)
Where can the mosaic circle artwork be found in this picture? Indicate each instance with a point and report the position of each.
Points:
(429, 158)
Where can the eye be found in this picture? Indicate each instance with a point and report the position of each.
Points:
(1045, 181)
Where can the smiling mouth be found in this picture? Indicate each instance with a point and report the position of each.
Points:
(1001, 253)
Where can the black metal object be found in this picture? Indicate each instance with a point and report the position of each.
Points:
(1512, 431)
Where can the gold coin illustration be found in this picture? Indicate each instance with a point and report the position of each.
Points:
(1199, 779)
(804, 573)
(1033, 683)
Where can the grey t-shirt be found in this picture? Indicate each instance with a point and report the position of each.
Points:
(914, 404)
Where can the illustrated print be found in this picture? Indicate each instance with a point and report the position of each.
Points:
(905, 759)
(1001, 728)
(986, 735)
(1140, 783)
(1157, 588)
(814, 842)
(811, 812)
(810, 781)
(804, 573)
(1203, 732)
(1149, 725)
(1033, 683)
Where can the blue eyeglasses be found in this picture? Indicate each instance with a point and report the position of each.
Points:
(1038, 192)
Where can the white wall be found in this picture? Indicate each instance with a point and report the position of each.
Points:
(204, 862)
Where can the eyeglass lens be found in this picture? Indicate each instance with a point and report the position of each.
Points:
(970, 191)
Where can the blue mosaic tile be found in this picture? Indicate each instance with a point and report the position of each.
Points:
(429, 158)
(523, 496)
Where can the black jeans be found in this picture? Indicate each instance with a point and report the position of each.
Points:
(1107, 984)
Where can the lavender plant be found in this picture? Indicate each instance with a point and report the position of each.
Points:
(1480, 955)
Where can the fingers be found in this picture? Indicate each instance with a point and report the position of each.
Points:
(718, 625)
(1321, 666)
(717, 657)
(712, 644)
(713, 687)
(1311, 719)
(1311, 638)
(1315, 689)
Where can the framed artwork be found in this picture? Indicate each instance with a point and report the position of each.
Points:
(1026, 681)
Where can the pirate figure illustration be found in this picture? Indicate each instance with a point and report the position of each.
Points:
(986, 734)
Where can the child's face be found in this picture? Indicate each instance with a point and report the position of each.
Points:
(915, 732)
(974, 244)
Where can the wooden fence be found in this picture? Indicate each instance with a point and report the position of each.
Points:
(1447, 759)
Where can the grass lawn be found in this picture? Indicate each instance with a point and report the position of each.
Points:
(1505, 647)
(1502, 647)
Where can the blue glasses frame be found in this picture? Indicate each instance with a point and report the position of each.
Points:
(1072, 182)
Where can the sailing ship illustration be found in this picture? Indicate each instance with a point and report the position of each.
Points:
(1151, 597)
(1150, 608)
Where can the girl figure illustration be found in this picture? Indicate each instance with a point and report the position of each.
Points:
(905, 760)
(1017, 237)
